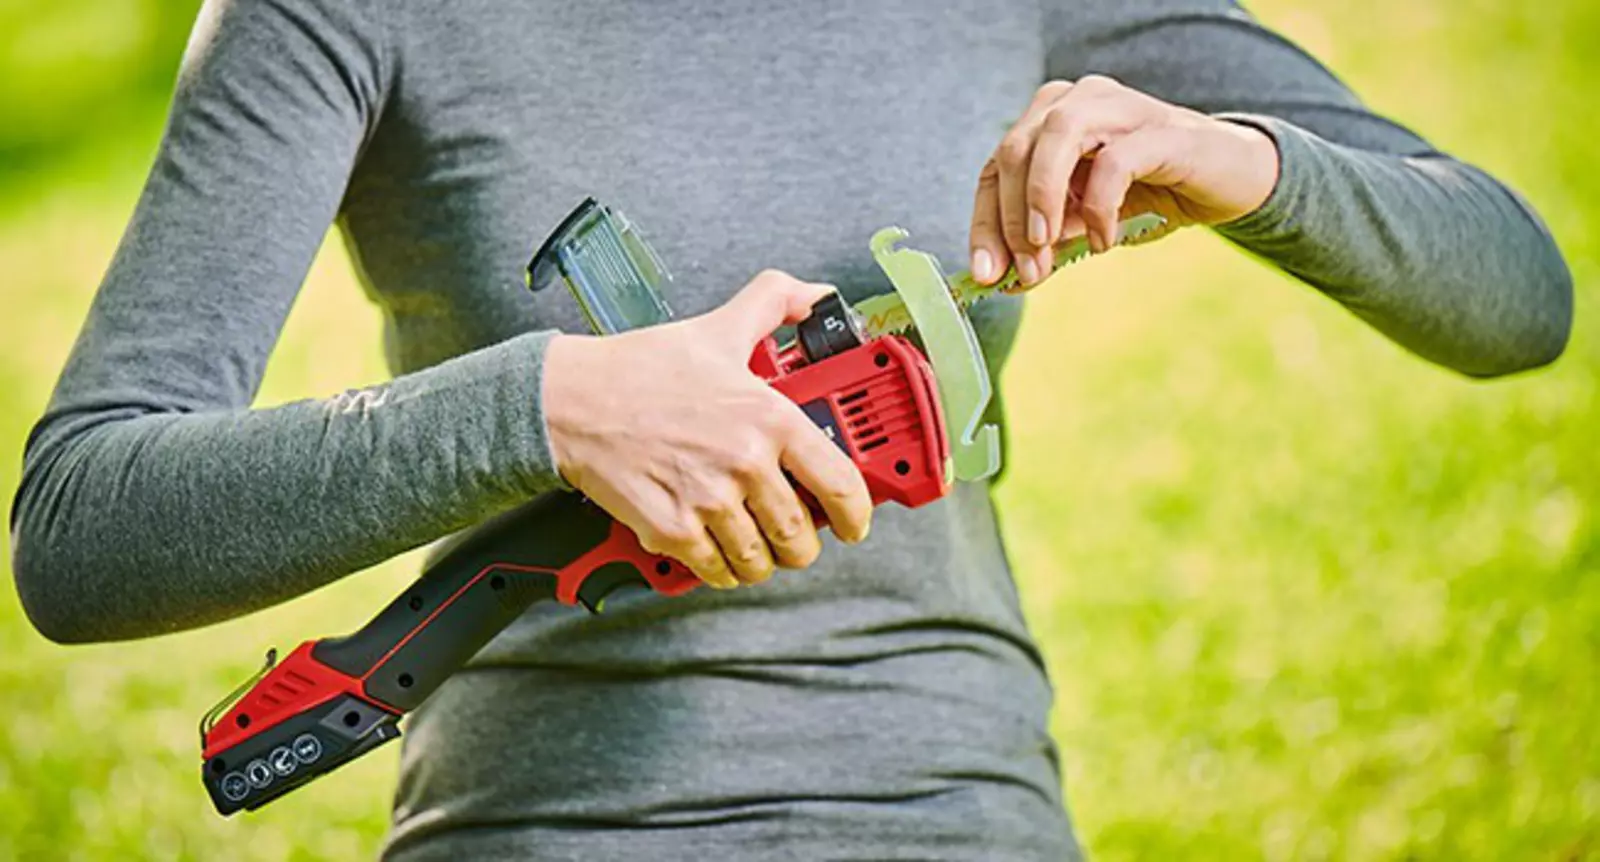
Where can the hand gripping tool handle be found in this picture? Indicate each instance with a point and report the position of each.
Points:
(333, 699)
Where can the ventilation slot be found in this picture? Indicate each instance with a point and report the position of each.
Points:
(878, 413)
(286, 688)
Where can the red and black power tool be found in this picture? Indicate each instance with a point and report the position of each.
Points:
(332, 700)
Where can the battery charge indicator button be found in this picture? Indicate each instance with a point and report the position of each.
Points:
(307, 748)
(282, 761)
(235, 786)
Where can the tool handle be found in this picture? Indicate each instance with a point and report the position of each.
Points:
(558, 546)
(330, 701)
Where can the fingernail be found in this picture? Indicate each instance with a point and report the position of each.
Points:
(983, 265)
(1038, 228)
(1096, 244)
(1027, 270)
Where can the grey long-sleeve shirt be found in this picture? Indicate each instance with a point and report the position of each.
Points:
(886, 703)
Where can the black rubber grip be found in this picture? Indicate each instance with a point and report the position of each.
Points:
(481, 582)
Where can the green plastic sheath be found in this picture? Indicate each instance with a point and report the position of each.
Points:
(953, 350)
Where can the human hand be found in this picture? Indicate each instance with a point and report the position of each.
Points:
(668, 430)
(1087, 154)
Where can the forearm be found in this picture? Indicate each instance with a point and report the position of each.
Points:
(1432, 252)
(130, 525)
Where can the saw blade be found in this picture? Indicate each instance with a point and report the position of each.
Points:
(886, 313)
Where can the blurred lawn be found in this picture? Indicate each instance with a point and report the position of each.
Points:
(1304, 596)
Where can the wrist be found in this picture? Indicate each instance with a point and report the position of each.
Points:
(561, 398)
(1256, 166)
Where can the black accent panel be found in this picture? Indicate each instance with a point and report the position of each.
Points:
(830, 328)
(548, 532)
(606, 580)
(461, 628)
(821, 415)
(295, 752)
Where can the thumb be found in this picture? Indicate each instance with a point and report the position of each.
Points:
(769, 301)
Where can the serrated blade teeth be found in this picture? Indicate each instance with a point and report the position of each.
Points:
(885, 314)
(1143, 230)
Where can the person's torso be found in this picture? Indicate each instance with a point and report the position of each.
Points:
(888, 697)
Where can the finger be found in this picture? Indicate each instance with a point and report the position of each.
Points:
(1064, 133)
(1098, 111)
(1044, 262)
(1142, 156)
(991, 233)
(1072, 226)
(1061, 144)
(1072, 223)
(990, 256)
(1013, 158)
(784, 521)
(741, 542)
(831, 477)
(705, 559)
(771, 299)
(683, 537)
(1067, 136)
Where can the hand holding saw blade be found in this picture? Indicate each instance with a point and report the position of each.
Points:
(924, 299)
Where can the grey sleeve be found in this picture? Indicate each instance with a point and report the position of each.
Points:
(1434, 253)
(153, 498)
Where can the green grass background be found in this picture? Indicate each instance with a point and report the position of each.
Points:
(1304, 596)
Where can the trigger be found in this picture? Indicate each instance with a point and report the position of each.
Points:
(604, 581)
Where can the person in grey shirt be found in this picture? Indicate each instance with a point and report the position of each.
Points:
(888, 701)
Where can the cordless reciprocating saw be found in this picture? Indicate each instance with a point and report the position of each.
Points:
(876, 395)
(910, 419)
